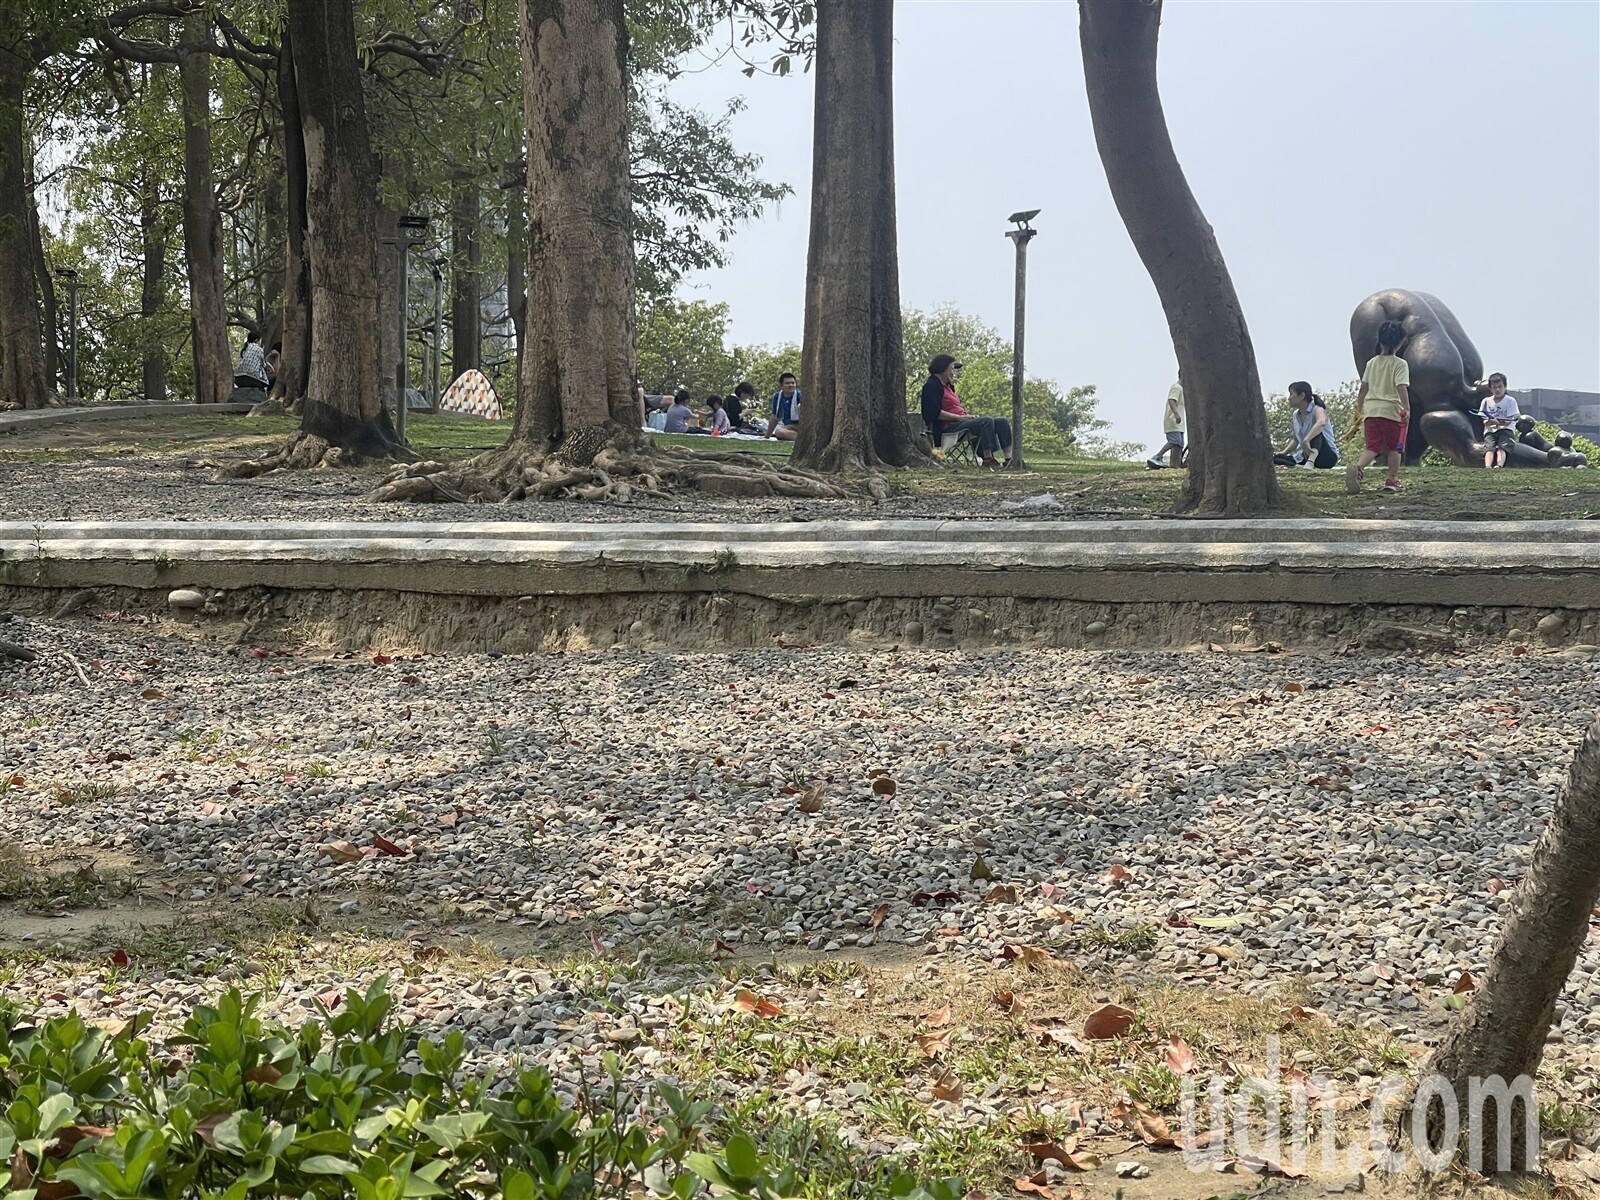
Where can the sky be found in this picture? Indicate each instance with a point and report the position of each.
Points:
(1337, 148)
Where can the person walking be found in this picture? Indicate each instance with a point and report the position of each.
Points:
(1384, 405)
(1173, 420)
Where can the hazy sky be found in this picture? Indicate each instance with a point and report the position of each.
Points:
(1337, 149)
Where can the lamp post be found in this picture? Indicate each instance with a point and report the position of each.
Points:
(69, 279)
(412, 226)
(1021, 235)
(437, 267)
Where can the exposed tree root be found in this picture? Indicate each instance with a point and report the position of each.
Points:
(577, 470)
(327, 438)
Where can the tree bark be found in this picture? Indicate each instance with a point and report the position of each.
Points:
(853, 414)
(1230, 457)
(152, 295)
(516, 272)
(202, 222)
(23, 383)
(295, 361)
(47, 289)
(577, 367)
(1503, 1029)
(466, 298)
(343, 402)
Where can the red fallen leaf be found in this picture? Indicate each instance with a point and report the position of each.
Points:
(247, 877)
(878, 914)
(1048, 890)
(1190, 835)
(937, 1018)
(1001, 893)
(1511, 722)
(152, 694)
(263, 1073)
(933, 1045)
(1465, 983)
(720, 948)
(787, 789)
(1371, 729)
(1108, 1021)
(381, 660)
(1383, 971)
(260, 652)
(1180, 1057)
(747, 1001)
(169, 889)
(17, 781)
(330, 998)
(205, 1129)
(119, 957)
(278, 671)
(1518, 650)
(388, 847)
(923, 899)
(758, 889)
(116, 756)
(1117, 876)
(595, 943)
(1306, 1084)
(1294, 688)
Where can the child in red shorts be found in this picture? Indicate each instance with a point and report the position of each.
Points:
(1385, 401)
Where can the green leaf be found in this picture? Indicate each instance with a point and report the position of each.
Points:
(326, 1164)
(743, 1161)
(704, 1166)
(517, 1185)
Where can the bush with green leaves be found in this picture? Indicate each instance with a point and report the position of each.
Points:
(353, 1105)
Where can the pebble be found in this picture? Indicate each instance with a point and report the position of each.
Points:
(185, 598)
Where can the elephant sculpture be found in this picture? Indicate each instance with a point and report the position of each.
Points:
(1445, 370)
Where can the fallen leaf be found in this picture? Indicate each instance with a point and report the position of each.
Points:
(878, 914)
(331, 998)
(1149, 1126)
(1066, 1153)
(1108, 1021)
(747, 1001)
(1294, 688)
(947, 1087)
(980, 870)
(205, 1129)
(933, 1045)
(388, 847)
(1001, 893)
(1117, 876)
(1267, 1166)
(1382, 971)
(212, 808)
(884, 785)
(948, 931)
(120, 958)
(381, 660)
(1033, 1184)
(1009, 1001)
(1180, 1057)
(116, 756)
(152, 694)
(1496, 886)
(343, 851)
(449, 819)
(595, 943)
(263, 1073)
(1328, 785)
(810, 800)
(1031, 957)
(1049, 890)
(922, 899)
(1465, 983)
(937, 1018)
(1053, 1035)
(1140, 679)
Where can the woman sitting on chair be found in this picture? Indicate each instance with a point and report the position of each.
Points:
(942, 413)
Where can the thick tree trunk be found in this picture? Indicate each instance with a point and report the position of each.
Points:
(295, 362)
(273, 235)
(343, 403)
(577, 368)
(152, 297)
(466, 298)
(202, 223)
(23, 383)
(853, 414)
(47, 292)
(516, 273)
(1230, 460)
(1501, 1034)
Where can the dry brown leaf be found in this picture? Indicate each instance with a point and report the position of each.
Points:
(1066, 1153)
(884, 785)
(1465, 983)
(1117, 875)
(343, 851)
(1231, 953)
(810, 800)
(1031, 957)
(980, 870)
(1009, 1001)
(747, 1001)
(1034, 1184)
(933, 1045)
(1180, 1057)
(948, 1087)
(263, 1073)
(1294, 688)
(948, 931)
(1001, 893)
(1108, 1021)
(1267, 1166)
(1055, 1036)
(878, 914)
(938, 1018)
(1149, 1126)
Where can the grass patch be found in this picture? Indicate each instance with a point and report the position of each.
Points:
(37, 888)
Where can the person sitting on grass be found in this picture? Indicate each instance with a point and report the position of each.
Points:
(736, 405)
(1172, 423)
(716, 419)
(680, 416)
(785, 409)
(1311, 443)
(943, 413)
(1384, 404)
(251, 369)
(1499, 412)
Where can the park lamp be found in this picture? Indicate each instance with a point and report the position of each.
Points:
(1021, 236)
(413, 227)
(69, 277)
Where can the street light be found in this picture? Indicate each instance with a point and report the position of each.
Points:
(69, 279)
(413, 226)
(1021, 235)
(437, 267)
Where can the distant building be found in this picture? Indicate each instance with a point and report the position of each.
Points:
(1576, 412)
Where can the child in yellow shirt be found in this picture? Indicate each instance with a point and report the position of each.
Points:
(1384, 404)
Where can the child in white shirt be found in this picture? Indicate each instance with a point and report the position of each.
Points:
(1499, 412)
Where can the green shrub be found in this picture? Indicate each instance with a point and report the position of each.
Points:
(351, 1105)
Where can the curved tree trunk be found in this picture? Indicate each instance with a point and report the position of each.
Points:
(1230, 460)
(202, 223)
(577, 368)
(343, 402)
(23, 383)
(295, 362)
(1502, 1031)
(854, 411)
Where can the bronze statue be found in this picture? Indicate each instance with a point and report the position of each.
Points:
(1446, 381)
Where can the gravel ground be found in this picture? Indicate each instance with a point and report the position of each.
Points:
(1344, 823)
(154, 488)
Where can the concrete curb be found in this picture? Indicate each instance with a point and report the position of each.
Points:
(41, 418)
(1517, 564)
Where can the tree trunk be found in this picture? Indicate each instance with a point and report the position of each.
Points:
(202, 223)
(1230, 459)
(343, 403)
(295, 361)
(466, 299)
(1502, 1031)
(152, 295)
(47, 291)
(853, 414)
(516, 273)
(577, 368)
(23, 383)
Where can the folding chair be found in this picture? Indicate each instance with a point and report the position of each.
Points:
(959, 448)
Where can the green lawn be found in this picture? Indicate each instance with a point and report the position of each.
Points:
(1081, 484)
